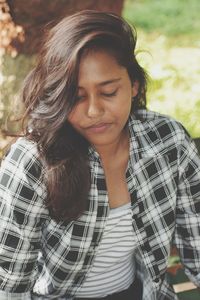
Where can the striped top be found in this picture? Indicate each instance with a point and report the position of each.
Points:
(113, 267)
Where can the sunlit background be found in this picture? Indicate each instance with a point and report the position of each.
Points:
(169, 36)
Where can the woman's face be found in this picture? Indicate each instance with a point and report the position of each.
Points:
(104, 99)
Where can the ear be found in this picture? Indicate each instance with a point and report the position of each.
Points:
(135, 88)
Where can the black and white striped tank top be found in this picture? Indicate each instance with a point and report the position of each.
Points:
(113, 268)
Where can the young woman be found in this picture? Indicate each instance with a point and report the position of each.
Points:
(97, 190)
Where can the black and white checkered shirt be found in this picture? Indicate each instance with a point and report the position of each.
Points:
(42, 259)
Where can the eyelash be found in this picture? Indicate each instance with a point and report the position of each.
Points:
(79, 98)
(110, 94)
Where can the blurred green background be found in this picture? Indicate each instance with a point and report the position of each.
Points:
(169, 44)
(168, 48)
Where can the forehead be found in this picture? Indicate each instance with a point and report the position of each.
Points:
(96, 66)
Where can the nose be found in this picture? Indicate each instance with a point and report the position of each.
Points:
(95, 107)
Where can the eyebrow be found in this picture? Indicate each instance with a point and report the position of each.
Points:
(103, 83)
(109, 81)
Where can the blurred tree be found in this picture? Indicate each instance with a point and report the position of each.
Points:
(32, 15)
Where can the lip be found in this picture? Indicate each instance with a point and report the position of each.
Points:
(98, 128)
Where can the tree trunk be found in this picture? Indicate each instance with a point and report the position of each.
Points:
(32, 15)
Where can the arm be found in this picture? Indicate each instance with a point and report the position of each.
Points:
(187, 235)
(21, 213)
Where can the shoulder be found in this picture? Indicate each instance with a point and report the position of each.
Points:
(162, 125)
(23, 157)
(22, 189)
(157, 133)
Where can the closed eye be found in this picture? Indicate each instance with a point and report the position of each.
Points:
(110, 94)
(80, 98)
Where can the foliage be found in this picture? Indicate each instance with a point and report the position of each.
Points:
(169, 17)
(14, 69)
(174, 86)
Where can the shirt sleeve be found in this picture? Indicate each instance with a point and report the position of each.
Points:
(187, 234)
(22, 212)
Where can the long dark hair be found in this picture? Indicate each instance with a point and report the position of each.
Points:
(50, 93)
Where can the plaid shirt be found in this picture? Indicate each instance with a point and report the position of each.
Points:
(42, 259)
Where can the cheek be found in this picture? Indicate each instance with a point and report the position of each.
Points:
(128, 101)
(72, 119)
(75, 115)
